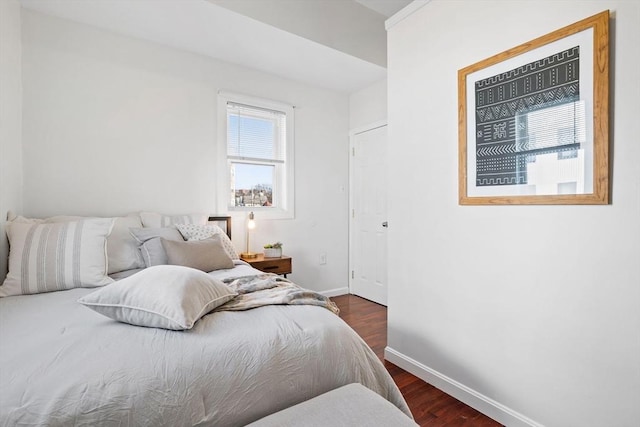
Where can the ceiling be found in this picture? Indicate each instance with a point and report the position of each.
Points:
(329, 54)
(386, 8)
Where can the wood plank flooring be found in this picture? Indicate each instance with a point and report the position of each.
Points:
(429, 406)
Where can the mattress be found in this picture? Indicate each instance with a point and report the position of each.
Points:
(62, 364)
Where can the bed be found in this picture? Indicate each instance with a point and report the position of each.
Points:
(63, 364)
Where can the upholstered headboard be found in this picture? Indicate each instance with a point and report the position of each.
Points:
(226, 220)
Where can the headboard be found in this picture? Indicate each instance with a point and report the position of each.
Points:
(223, 219)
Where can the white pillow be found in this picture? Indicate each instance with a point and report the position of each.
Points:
(163, 296)
(122, 248)
(47, 257)
(201, 232)
(156, 220)
(151, 248)
(58, 218)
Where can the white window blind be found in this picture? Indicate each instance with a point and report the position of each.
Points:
(255, 134)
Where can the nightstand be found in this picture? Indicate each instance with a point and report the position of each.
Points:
(280, 265)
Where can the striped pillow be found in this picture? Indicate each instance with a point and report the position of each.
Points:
(50, 257)
(122, 249)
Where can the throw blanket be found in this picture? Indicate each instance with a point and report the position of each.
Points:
(269, 289)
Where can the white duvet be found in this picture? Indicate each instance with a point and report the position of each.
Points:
(62, 364)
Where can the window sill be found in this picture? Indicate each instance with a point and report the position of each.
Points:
(262, 212)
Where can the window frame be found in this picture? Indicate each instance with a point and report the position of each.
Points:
(283, 185)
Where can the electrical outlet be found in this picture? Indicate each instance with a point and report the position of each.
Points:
(323, 258)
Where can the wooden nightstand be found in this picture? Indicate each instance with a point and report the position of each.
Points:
(280, 265)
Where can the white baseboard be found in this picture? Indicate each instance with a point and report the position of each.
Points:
(335, 292)
(478, 401)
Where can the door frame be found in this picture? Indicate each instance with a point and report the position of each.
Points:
(352, 135)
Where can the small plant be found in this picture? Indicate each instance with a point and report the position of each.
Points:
(276, 245)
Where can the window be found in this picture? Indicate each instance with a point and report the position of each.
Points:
(257, 141)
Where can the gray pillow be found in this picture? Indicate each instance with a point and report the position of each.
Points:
(150, 245)
(206, 255)
(163, 296)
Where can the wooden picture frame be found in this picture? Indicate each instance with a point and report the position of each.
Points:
(534, 121)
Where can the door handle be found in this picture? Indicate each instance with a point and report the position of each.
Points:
(385, 224)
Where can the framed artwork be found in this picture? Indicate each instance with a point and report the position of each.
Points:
(534, 121)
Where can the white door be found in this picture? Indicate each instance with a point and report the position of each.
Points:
(368, 226)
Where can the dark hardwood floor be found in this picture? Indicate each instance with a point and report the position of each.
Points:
(430, 406)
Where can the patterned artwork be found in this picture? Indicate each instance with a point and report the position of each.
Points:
(507, 107)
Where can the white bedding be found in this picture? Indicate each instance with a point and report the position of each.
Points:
(62, 364)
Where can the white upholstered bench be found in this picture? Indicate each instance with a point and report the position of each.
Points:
(347, 406)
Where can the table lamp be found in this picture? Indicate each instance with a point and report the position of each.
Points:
(251, 224)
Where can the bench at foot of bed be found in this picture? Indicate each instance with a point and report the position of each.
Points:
(350, 405)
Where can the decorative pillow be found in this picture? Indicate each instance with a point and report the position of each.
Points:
(156, 220)
(47, 257)
(122, 249)
(150, 245)
(200, 232)
(163, 296)
(205, 255)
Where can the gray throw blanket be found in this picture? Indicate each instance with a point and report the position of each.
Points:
(271, 289)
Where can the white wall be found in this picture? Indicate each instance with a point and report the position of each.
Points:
(10, 120)
(530, 312)
(114, 125)
(368, 106)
